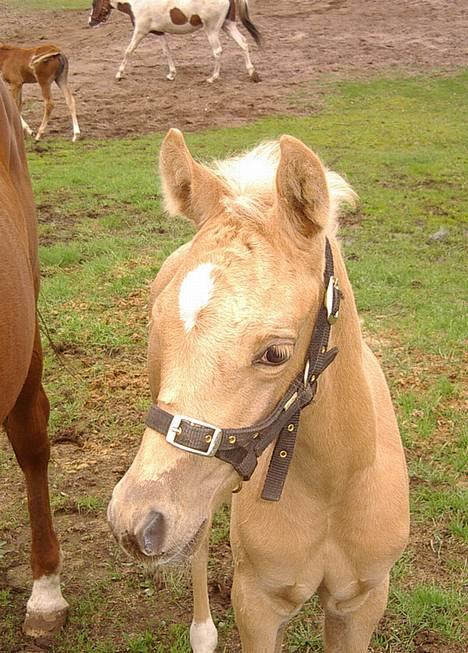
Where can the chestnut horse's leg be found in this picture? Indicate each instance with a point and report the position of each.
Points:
(348, 629)
(172, 69)
(136, 39)
(26, 426)
(203, 633)
(17, 92)
(48, 105)
(62, 82)
(231, 28)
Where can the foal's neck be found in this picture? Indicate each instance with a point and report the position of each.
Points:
(339, 428)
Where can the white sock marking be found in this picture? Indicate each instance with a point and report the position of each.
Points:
(46, 595)
(195, 293)
(203, 636)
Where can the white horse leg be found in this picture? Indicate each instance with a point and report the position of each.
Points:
(203, 633)
(172, 69)
(70, 100)
(231, 28)
(213, 38)
(136, 39)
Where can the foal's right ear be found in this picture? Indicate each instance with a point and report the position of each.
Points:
(189, 188)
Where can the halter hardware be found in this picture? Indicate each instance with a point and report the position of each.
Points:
(242, 447)
(175, 429)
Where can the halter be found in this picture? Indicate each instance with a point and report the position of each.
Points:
(242, 447)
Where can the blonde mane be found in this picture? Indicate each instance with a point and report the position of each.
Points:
(251, 177)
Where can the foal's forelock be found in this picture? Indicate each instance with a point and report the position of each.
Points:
(251, 179)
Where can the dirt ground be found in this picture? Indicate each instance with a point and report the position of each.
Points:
(304, 41)
(306, 44)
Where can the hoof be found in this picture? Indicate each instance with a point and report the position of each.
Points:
(118, 77)
(42, 625)
(170, 77)
(255, 77)
(210, 80)
(76, 137)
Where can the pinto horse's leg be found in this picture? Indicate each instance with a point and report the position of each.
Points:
(349, 629)
(136, 39)
(203, 633)
(26, 426)
(172, 69)
(231, 28)
(213, 38)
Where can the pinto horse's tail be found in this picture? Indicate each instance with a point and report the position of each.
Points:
(243, 9)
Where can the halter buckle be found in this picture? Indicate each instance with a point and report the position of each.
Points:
(329, 300)
(174, 430)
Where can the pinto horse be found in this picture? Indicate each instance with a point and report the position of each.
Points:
(163, 17)
(256, 351)
(24, 408)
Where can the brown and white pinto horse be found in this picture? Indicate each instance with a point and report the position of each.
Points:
(163, 17)
(24, 408)
(234, 317)
(42, 64)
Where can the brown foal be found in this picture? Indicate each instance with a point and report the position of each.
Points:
(24, 408)
(43, 65)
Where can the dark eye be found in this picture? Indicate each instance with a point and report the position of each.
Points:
(276, 355)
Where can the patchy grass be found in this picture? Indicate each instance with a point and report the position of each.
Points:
(49, 4)
(104, 236)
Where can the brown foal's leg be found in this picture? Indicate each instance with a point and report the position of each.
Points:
(26, 426)
(48, 106)
(17, 92)
(351, 631)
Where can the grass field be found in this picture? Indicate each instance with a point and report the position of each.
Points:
(104, 236)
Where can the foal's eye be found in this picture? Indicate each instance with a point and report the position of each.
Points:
(275, 355)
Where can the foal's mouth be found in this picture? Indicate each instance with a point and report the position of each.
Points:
(176, 554)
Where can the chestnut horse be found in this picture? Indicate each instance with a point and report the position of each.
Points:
(256, 351)
(24, 408)
(163, 17)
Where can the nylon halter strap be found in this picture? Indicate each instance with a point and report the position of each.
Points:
(241, 447)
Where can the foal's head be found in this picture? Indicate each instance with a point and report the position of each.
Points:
(232, 315)
(100, 12)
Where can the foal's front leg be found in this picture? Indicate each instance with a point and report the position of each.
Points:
(261, 617)
(26, 427)
(136, 39)
(17, 92)
(203, 633)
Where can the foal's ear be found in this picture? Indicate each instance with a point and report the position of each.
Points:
(189, 188)
(301, 185)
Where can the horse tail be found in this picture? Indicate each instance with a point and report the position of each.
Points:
(61, 76)
(243, 9)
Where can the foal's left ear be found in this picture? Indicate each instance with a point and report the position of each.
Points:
(301, 185)
(189, 188)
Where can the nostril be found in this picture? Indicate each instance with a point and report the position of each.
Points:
(153, 533)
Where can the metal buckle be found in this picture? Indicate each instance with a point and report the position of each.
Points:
(174, 430)
(328, 300)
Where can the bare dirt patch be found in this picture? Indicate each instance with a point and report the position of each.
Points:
(305, 43)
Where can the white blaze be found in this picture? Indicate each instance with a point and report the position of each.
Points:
(195, 293)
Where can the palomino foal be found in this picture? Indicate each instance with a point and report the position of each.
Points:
(242, 339)
(163, 17)
(24, 409)
(43, 64)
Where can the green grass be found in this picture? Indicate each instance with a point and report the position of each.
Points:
(49, 4)
(104, 236)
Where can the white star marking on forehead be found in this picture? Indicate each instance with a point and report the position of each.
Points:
(195, 293)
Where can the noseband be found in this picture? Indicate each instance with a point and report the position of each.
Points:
(242, 447)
